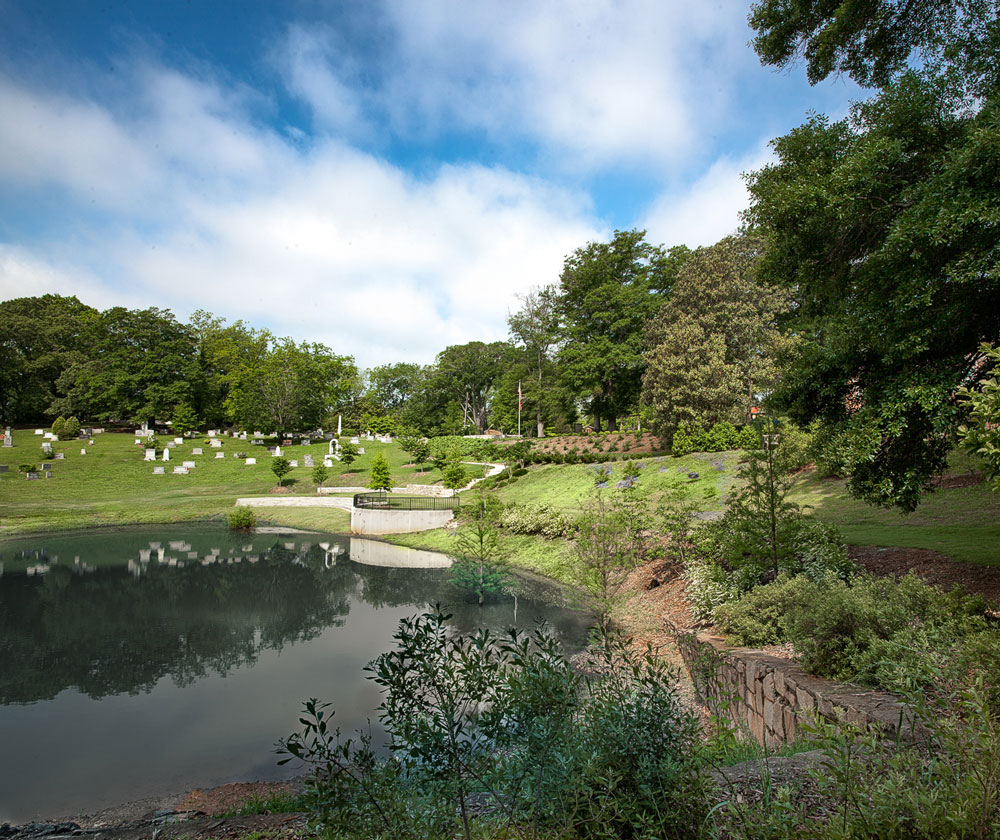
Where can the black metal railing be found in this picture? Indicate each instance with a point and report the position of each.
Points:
(390, 501)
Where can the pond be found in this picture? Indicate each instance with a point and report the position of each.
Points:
(147, 661)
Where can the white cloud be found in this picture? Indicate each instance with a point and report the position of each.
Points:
(328, 244)
(706, 210)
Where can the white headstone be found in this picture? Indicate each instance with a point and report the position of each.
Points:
(180, 470)
(294, 463)
(150, 455)
(49, 436)
(212, 433)
(277, 452)
(220, 454)
(251, 461)
(216, 443)
(47, 446)
(328, 461)
(355, 441)
(159, 471)
(83, 451)
(60, 456)
(361, 450)
(196, 451)
(178, 441)
(166, 454)
(39, 431)
(190, 465)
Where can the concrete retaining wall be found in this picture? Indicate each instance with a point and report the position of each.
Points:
(375, 522)
(772, 697)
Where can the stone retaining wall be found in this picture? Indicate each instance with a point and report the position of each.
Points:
(772, 697)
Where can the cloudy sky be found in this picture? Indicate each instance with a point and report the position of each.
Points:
(383, 177)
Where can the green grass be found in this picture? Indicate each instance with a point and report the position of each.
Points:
(568, 486)
(963, 523)
(112, 485)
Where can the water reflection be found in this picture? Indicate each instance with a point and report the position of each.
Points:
(198, 645)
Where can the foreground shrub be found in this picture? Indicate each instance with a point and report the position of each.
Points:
(508, 719)
(241, 519)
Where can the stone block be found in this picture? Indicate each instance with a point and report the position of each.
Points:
(804, 700)
(791, 723)
(767, 684)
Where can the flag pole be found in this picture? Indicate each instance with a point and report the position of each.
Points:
(519, 408)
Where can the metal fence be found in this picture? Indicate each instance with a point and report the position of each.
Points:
(389, 501)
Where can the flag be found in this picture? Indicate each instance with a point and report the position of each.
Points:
(518, 394)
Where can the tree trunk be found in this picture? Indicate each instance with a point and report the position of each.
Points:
(612, 424)
(597, 423)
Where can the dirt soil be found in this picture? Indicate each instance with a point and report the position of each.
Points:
(933, 567)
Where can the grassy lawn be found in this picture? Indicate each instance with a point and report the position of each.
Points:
(567, 486)
(962, 522)
(112, 485)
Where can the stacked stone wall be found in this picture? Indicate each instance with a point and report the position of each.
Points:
(773, 697)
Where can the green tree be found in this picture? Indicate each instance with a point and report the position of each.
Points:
(535, 327)
(141, 365)
(714, 342)
(184, 419)
(464, 376)
(320, 475)
(607, 293)
(872, 42)
(882, 227)
(348, 453)
(454, 475)
(379, 477)
(280, 467)
(981, 434)
(39, 338)
(480, 564)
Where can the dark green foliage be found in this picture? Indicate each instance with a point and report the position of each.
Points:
(902, 637)
(548, 754)
(184, 419)
(241, 519)
(719, 438)
(348, 453)
(454, 475)
(69, 430)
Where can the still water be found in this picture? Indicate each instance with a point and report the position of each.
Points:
(155, 660)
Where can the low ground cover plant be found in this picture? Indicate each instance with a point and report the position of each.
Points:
(493, 735)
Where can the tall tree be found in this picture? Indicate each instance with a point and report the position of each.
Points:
(607, 293)
(39, 338)
(714, 341)
(883, 227)
(292, 386)
(464, 375)
(535, 328)
(141, 365)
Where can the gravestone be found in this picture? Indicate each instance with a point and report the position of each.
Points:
(355, 441)
(4, 468)
(180, 470)
(212, 433)
(83, 451)
(50, 436)
(251, 461)
(150, 455)
(178, 441)
(197, 451)
(189, 465)
(60, 456)
(39, 431)
(166, 454)
(308, 460)
(286, 443)
(47, 447)
(327, 461)
(31, 476)
(46, 467)
(277, 452)
(243, 435)
(361, 450)
(159, 471)
(220, 454)
(216, 443)
(294, 463)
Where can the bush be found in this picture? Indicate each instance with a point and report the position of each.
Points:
(70, 429)
(548, 754)
(241, 519)
(531, 519)
(57, 426)
(26, 468)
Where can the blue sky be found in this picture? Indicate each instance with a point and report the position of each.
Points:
(383, 177)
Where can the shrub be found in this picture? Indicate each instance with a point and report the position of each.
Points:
(280, 467)
(531, 519)
(241, 519)
(26, 468)
(548, 754)
(57, 426)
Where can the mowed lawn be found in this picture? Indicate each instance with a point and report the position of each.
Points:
(113, 485)
(961, 522)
